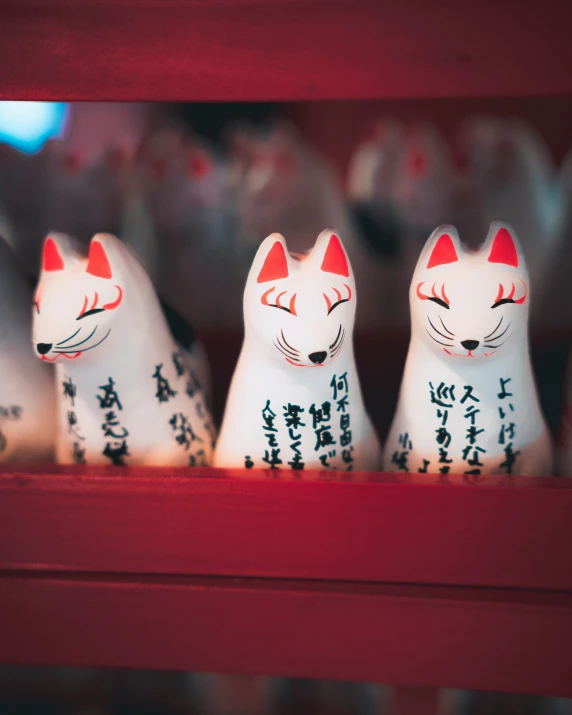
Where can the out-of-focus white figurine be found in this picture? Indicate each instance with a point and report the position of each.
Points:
(468, 402)
(422, 195)
(281, 185)
(295, 401)
(78, 182)
(27, 398)
(186, 189)
(82, 194)
(515, 181)
(372, 168)
(129, 393)
(423, 185)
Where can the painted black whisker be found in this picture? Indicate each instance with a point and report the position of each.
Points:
(437, 341)
(71, 337)
(446, 328)
(67, 352)
(285, 349)
(435, 329)
(494, 331)
(495, 346)
(333, 345)
(75, 345)
(500, 335)
(289, 357)
(339, 347)
(288, 344)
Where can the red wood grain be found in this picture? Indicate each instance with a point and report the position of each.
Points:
(464, 638)
(385, 528)
(282, 50)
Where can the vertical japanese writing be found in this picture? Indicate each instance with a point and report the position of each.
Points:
(340, 389)
(293, 424)
(472, 450)
(116, 447)
(184, 434)
(401, 455)
(70, 393)
(507, 430)
(443, 396)
(321, 416)
(271, 455)
(164, 392)
(193, 390)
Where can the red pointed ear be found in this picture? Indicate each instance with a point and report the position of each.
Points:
(51, 260)
(335, 260)
(503, 249)
(275, 266)
(443, 252)
(97, 263)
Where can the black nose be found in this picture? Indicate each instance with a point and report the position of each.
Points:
(43, 348)
(318, 357)
(470, 344)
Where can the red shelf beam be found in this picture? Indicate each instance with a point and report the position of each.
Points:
(505, 533)
(403, 635)
(282, 49)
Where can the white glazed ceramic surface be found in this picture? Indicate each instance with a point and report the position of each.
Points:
(295, 401)
(127, 392)
(468, 403)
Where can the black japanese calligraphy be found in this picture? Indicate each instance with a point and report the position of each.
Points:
(110, 397)
(164, 392)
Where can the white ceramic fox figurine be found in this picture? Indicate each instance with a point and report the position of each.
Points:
(27, 398)
(295, 401)
(128, 392)
(468, 402)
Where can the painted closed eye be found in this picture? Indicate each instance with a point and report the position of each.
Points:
(499, 300)
(290, 308)
(339, 300)
(90, 312)
(442, 300)
(93, 309)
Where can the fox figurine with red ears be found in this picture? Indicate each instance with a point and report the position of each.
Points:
(295, 400)
(468, 402)
(128, 391)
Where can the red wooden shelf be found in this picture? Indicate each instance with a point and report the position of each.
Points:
(282, 49)
(387, 578)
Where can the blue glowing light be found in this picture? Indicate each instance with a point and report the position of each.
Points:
(27, 126)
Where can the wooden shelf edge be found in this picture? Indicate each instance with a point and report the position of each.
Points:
(281, 50)
(402, 635)
(392, 528)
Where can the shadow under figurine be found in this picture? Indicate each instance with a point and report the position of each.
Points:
(295, 401)
(468, 402)
(27, 399)
(128, 392)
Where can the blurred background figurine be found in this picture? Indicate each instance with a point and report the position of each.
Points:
(27, 397)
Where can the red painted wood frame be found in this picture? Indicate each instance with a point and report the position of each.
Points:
(282, 49)
(386, 578)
